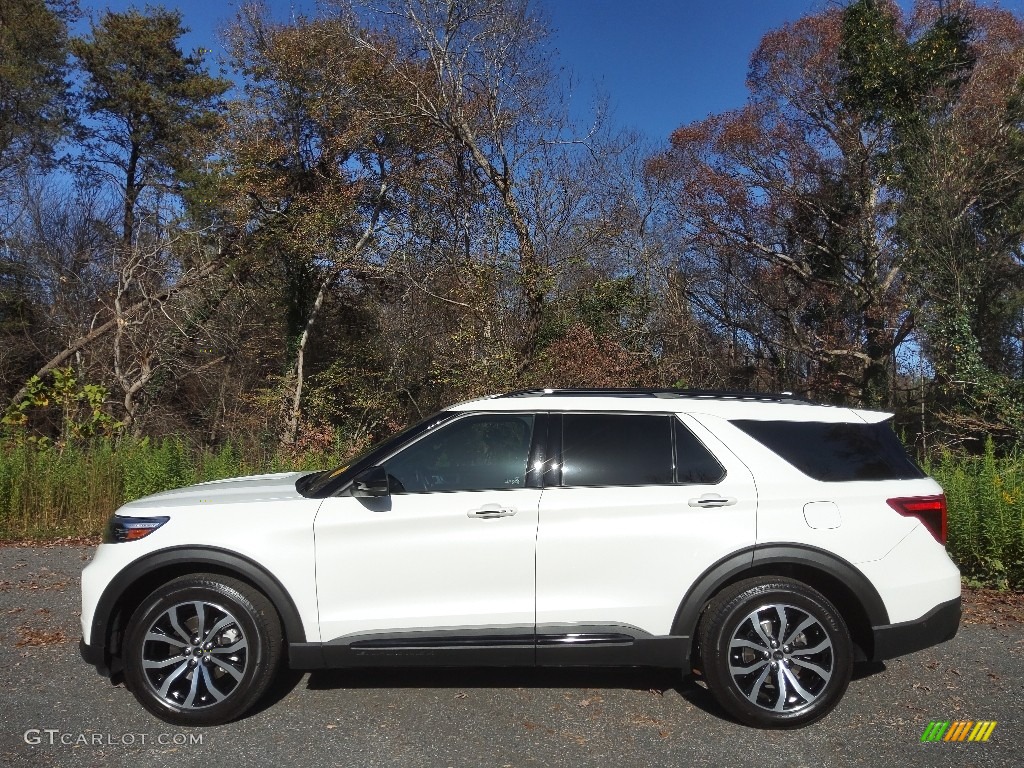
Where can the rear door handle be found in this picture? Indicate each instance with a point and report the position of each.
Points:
(709, 500)
(490, 511)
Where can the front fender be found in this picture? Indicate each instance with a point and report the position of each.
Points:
(142, 576)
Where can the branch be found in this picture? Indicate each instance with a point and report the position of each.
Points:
(99, 331)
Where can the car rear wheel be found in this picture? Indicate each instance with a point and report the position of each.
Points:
(202, 649)
(775, 653)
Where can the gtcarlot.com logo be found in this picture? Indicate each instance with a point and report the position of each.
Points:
(53, 737)
(958, 730)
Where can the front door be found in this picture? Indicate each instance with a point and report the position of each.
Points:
(450, 549)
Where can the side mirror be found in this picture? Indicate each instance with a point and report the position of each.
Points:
(371, 483)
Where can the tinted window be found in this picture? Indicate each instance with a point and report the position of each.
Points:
(836, 452)
(694, 463)
(613, 449)
(321, 484)
(476, 453)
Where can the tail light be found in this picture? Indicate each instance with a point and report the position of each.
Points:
(930, 510)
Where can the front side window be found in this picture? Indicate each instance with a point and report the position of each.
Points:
(477, 453)
(616, 449)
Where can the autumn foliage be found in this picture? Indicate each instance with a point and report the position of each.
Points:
(391, 210)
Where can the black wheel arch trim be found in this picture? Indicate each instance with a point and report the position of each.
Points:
(761, 559)
(219, 560)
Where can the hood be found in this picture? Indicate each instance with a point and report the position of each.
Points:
(234, 490)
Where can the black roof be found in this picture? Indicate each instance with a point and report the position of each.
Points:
(696, 394)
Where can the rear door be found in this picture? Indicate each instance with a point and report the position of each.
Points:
(644, 504)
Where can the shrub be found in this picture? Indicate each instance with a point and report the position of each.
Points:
(986, 516)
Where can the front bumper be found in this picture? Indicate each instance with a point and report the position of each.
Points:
(93, 655)
(937, 626)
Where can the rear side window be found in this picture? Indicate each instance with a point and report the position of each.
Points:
(600, 449)
(836, 452)
(616, 449)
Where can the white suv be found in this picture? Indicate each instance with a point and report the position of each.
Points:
(766, 541)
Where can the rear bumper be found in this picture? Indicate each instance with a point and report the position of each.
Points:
(937, 626)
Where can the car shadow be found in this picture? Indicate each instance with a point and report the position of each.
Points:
(284, 682)
(863, 669)
(661, 682)
(495, 677)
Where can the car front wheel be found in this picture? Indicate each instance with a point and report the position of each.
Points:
(775, 653)
(202, 649)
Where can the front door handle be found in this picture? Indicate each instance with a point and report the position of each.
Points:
(709, 500)
(490, 511)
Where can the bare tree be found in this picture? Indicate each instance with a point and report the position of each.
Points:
(482, 79)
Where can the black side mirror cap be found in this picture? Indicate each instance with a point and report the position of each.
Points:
(373, 483)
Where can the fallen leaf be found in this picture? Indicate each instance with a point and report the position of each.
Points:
(37, 637)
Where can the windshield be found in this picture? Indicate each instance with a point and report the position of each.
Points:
(318, 485)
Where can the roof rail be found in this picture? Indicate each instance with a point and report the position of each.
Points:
(697, 394)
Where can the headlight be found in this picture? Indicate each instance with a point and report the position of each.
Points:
(121, 528)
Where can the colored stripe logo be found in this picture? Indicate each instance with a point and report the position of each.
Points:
(958, 730)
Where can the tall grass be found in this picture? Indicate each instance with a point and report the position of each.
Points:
(45, 493)
(986, 516)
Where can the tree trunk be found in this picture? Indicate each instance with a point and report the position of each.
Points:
(131, 196)
(290, 431)
(530, 269)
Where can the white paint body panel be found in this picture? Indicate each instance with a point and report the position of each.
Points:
(765, 410)
(420, 561)
(822, 514)
(870, 528)
(914, 577)
(262, 518)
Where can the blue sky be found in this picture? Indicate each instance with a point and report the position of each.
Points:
(662, 63)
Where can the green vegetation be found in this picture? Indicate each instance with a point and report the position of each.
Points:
(46, 493)
(986, 516)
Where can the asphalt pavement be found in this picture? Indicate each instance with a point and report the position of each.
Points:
(55, 710)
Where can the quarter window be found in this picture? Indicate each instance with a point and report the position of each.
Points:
(694, 463)
(836, 452)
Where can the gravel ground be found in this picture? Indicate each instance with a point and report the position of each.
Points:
(496, 718)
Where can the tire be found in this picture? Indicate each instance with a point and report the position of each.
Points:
(202, 649)
(775, 653)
